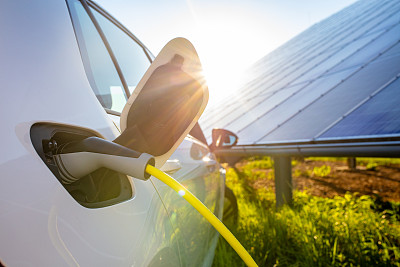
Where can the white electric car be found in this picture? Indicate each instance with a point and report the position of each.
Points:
(70, 72)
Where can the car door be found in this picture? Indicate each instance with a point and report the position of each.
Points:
(47, 100)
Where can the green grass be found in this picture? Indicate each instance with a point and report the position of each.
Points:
(345, 231)
(361, 161)
(260, 163)
(322, 171)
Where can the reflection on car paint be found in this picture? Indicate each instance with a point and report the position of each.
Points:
(196, 238)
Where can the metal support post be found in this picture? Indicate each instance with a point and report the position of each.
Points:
(283, 180)
(352, 163)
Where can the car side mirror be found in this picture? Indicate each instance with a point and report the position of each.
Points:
(166, 103)
(222, 138)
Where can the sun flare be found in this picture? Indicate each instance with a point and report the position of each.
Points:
(223, 51)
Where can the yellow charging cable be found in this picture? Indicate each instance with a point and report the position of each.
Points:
(203, 210)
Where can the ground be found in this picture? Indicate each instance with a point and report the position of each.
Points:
(328, 178)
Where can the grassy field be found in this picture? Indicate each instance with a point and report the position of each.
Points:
(349, 230)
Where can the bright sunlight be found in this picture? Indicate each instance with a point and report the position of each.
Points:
(220, 44)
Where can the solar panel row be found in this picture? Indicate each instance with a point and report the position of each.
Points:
(337, 80)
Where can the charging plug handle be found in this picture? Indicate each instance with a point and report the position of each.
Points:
(77, 159)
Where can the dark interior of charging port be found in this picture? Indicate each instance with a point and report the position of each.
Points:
(100, 188)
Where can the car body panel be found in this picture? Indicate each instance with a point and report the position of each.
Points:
(42, 225)
(43, 80)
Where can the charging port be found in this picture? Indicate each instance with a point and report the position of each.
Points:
(103, 187)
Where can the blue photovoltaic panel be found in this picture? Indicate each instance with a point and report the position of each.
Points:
(292, 105)
(317, 85)
(341, 54)
(380, 115)
(308, 123)
(265, 104)
(372, 49)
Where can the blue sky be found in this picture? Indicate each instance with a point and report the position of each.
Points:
(228, 35)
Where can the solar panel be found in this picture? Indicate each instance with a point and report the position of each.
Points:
(372, 49)
(379, 115)
(290, 107)
(318, 85)
(339, 55)
(318, 115)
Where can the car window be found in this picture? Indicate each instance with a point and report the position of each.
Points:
(99, 67)
(130, 55)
